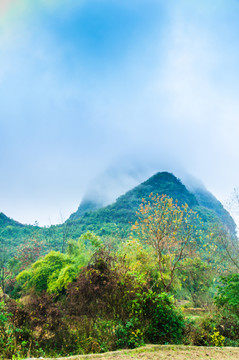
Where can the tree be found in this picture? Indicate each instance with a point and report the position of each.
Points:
(228, 293)
(196, 277)
(228, 246)
(170, 230)
(231, 243)
(55, 270)
(3, 268)
(51, 273)
(27, 254)
(4, 256)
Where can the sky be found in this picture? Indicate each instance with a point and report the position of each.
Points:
(98, 95)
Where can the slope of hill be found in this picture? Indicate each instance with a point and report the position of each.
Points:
(161, 183)
(12, 234)
(122, 211)
(115, 219)
(6, 221)
(208, 201)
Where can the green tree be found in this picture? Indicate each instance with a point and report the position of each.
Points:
(53, 272)
(196, 277)
(45, 273)
(4, 257)
(228, 293)
(141, 262)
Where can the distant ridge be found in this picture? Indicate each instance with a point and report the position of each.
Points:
(6, 221)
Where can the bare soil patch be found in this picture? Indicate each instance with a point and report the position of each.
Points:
(162, 352)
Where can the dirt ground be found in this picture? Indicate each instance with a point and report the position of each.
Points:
(165, 352)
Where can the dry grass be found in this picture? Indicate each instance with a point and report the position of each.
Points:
(163, 352)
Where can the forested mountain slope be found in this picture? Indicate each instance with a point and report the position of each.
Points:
(122, 211)
(6, 221)
(115, 219)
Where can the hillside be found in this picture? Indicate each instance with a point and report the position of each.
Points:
(115, 219)
(13, 234)
(122, 211)
(6, 221)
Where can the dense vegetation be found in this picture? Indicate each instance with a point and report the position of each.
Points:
(123, 211)
(171, 276)
(115, 219)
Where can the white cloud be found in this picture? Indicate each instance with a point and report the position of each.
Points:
(171, 99)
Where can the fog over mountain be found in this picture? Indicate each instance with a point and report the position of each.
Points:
(110, 92)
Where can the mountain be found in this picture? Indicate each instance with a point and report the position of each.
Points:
(12, 234)
(114, 220)
(6, 221)
(208, 201)
(122, 211)
(86, 206)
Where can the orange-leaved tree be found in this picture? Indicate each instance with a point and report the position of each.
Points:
(171, 230)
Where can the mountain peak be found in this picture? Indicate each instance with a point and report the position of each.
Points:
(122, 211)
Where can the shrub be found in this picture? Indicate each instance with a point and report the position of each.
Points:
(216, 329)
(7, 333)
(217, 339)
(129, 335)
(14, 340)
(228, 324)
(159, 319)
(164, 322)
(102, 290)
(228, 294)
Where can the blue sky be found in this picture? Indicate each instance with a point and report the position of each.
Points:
(92, 88)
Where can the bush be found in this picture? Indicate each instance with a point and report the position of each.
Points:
(158, 318)
(228, 294)
(14, 340)
(198, 331)
(164, 322)
(129, 335)
(228, 324)
(216, 329)
(7, 333)
(102, 290)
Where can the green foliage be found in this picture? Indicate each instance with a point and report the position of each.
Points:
(45, 273)
(12, 342)
(228, 293)
(113, 219)
(153, 319)
(88, 299)
(53, 272)
(129, 335)
(59, 281)
(141, 262)
(196, 278)
(228, 324)
(92, 239)
(78, 251)
(211, 209)
(198, 330)
(7, 338)
(212, 329)
(122, 212)
(162, 322)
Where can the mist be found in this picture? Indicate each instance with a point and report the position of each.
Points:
(97, 96)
